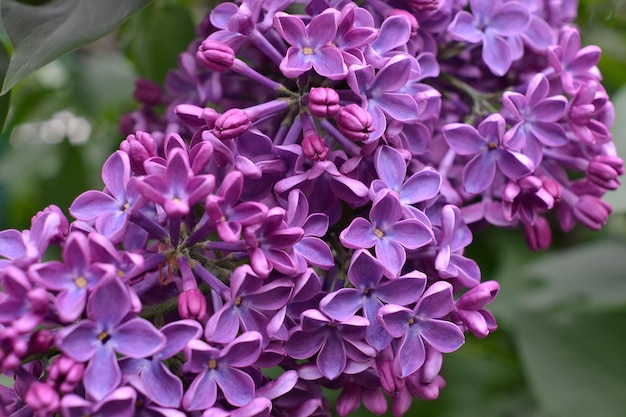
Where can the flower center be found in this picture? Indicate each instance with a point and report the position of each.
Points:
(238, 301)
(411, 321)
(80, 282)
(104, 337)
(212, 363)
(307, 50)
(379, 233)
(492, 146)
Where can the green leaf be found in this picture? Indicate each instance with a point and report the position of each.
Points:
(575, 362)
(585, 278)
(40, 33)
(155, 37)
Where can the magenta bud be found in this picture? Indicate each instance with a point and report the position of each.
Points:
(603, 171)
(40, 342)
(192, 304)
(553, 188)
(423, 5)
(538, 235)
(479, 296)
(190, 115)
(147, 92)
(42, 399)
(592, 211)
(231, 124)
(139, 147)
(64, 226)
(323, 102)
(215, 55)
(354, 122)
(314, 147)
(65, 373)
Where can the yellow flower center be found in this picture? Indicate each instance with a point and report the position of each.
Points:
(80, 282)
(212, 363)
(307, 50)
(379, 233)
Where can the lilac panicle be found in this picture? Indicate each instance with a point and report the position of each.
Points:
(299, 195)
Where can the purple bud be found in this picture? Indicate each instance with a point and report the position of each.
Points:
(479, 296)
(354, 122)
(139, 147)
(147, 92)
(231, 124)
(538, 235)
(215, 55)
(323, 102)
(192, 305)
(314, 147)
(603, 171)
(190, 115)
(592, 211)
(42, 399)
(40, 342)
(423, 5)
(65, 373)
(63, 228)
(553, 188)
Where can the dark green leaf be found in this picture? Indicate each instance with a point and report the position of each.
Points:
(155, 37)
(41, 33)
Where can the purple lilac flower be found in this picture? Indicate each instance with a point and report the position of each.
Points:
(488, 150)
(74, 278)
(492, 23)
(251, 306)
(108, 330)
(151, 376)
(335, 340)
(380, 92)
(221, 368)
(370, 291)
(420, 326)
(385, 231)
(535, 116)
(119, 403)
(311, 46)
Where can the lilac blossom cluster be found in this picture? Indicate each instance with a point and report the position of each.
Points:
(291, 212)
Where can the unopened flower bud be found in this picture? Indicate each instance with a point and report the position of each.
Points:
(64, 227)
(139, 147)
(479, 296)
(215, 55)
(592, 211)
(603, 171)
(65, 373)
(147, 92)
(42, 399)
(232, 123)
(354, 122)
(192, 305)
(40, 342)
(314, 147)
(425, 5)
(538, 235)
(554, 188)
(323, 102)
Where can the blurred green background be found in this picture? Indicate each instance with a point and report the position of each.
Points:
(561, 347)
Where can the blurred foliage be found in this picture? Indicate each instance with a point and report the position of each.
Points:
(562, 313)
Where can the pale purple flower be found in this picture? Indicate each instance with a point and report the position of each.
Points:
(221, 368)
(381, 93)
(486, 146)
(151, 376)
(108, 329)
(119, 403)
(74, 278)
(370, 291)
(21, 306)
(311, 46)
(109, 210)
(425, 324)
(336, 341)
(536, 117)
(492, 23)
(385, 231)
(251, 305)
